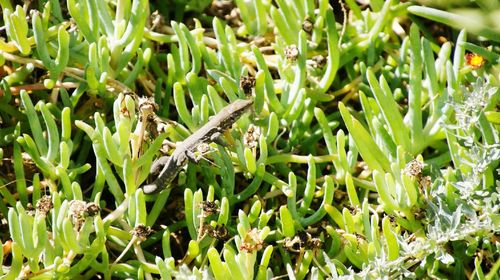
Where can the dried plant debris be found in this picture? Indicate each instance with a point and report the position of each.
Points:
(291, 52)
(252, 241)
(219, 232)
(247, 83)
(208, 208)
(44, 205)
(142, 232)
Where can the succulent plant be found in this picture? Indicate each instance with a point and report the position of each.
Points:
(372, 149)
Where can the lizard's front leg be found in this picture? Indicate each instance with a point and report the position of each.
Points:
(192, 156)
(216, 136)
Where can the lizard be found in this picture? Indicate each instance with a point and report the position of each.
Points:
(209, 132)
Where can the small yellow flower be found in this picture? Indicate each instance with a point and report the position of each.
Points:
(474, 60)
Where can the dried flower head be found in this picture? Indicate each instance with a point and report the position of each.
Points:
(251, 137)
(142, 232)
(44, 205)
(219, 232)
(291, 52)
(30, 210)
(315, 243)
(28, 163)
(79, 210)
(303, 240)
(92, 209)
(77, 213)
(147, 105)
(221, 8)
(319, 61)
(247, 83)
(307, 25)
(156, 19)
(294, 244)
(414, 168)
(252, 241)
(208, 208)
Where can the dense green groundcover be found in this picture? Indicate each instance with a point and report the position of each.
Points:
(371, 151)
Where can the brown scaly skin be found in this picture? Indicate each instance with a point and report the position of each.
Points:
(206, 134)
